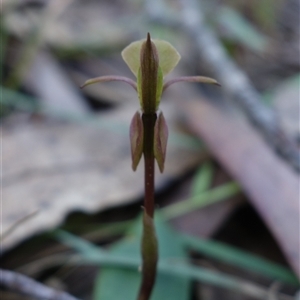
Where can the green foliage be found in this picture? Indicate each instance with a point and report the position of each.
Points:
(216, 194)
(201, 195)
(240, 259)
(166, 287)
(203, 179)
(119, 276)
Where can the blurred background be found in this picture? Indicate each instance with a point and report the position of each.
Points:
(228, 201)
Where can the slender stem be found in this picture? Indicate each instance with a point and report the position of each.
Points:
(149, 186)
(149, 122)
(149, 242)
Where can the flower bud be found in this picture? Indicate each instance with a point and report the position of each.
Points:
(160, 141)
(136, 139)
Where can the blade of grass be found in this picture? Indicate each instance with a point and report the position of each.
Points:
(186, 141)
(98, 256)
(232, 256)
(241, 259)
(202, 179)
(216, 194)
(166, 286)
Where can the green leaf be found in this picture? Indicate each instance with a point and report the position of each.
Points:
(171, 266)
(202, 179)
(241, 259)
(116, 283)
(168, 56)
(219, 193)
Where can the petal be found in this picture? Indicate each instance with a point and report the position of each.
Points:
(160, 141)
(131, 56)
(136, 139)
(201, 79)
(110, 78)
(168, 56)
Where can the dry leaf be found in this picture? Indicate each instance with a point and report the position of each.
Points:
(271, 185)
(59, 168)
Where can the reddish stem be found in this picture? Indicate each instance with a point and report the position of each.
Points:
(149, 242)
(149, 122)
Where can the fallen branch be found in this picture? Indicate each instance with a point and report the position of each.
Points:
(27, 286)
(234, 81)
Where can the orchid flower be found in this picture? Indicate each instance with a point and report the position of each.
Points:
(150, 61)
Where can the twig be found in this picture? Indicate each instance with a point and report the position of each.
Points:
(232, 78)
(17, 224)
(25, 285)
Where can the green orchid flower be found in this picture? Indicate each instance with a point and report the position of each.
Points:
(150, 60)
